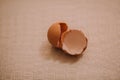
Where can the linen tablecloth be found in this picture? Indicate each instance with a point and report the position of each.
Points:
(26, 54)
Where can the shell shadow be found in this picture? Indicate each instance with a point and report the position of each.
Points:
(50, 53)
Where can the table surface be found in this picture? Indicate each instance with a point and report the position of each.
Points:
(26, 54)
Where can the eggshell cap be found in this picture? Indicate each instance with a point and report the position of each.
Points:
(54, 33)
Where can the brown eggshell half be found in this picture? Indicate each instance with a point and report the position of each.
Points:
(73, 42)
(54, 33)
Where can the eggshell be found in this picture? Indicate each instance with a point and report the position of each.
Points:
(73, 42)
(54, 33)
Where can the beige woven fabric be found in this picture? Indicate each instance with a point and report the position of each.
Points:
(25, 53)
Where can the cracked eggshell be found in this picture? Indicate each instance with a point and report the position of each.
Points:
(74, 42)
(54, 33)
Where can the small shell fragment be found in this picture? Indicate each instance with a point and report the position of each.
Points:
(73, 42)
